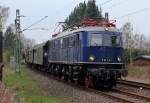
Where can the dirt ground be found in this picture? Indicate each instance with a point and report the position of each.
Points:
(5, 95)
(139, 74)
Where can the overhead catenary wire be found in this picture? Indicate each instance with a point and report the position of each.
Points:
(35, 23)
(105, 2)
(116, 4)
(135, 12)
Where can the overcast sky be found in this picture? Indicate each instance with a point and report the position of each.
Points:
(58, 10)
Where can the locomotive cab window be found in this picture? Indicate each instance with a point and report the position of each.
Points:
(95, 39)
(106, 40)
(116, 41)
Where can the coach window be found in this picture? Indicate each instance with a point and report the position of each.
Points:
(49, 44)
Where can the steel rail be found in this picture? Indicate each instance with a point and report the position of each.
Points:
(116, 98)
(136, 84)
(132, 94)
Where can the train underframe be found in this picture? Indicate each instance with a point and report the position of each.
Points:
(91, 76)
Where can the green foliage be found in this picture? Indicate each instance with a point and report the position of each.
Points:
(83, 10)
(9, 40)
(6, 56)
(77, 14)
(28, 90)
(134, 53)
(92, 10)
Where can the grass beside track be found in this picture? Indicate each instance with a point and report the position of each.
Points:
(28, 90)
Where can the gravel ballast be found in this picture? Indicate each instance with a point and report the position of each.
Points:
(66, 92)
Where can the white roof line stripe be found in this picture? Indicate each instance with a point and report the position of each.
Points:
(62, 34)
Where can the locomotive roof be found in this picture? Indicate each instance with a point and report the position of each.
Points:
(94, 29)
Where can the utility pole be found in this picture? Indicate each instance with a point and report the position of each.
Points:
(1, 49)
(18, 42)
(1, 41)
(18, 39)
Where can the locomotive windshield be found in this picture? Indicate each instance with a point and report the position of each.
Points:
(97, 39)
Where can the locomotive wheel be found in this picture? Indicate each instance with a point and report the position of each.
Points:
(76, 82)
(95, 83)
(88, 81)
(65, 77)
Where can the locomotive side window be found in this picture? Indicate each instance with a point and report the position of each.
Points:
(65, 42)
(61, 43)
(56, 43)
(119, 41)
(95, 39)
(71, 41)
(114, 40)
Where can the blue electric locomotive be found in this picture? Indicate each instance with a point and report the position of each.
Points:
(90, 55)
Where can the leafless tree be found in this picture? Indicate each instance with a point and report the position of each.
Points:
(4, 13)
(127, 31)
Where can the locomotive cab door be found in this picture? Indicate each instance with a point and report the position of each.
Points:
(77, 53)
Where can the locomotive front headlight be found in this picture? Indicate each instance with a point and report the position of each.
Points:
(119, 59)
(106, 29)
(91, 58)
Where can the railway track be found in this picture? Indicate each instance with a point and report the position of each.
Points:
(118, 95)
(135, 84)
(131, 94)
(112, 94)
(115, 94)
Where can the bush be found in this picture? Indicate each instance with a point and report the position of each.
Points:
(134, 53)
(6, 56)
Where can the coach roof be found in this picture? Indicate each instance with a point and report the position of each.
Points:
(65, 33)
(39, 45)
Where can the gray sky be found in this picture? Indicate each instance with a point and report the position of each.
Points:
(58, 10)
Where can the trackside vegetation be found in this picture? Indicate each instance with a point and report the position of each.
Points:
(25, 88)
